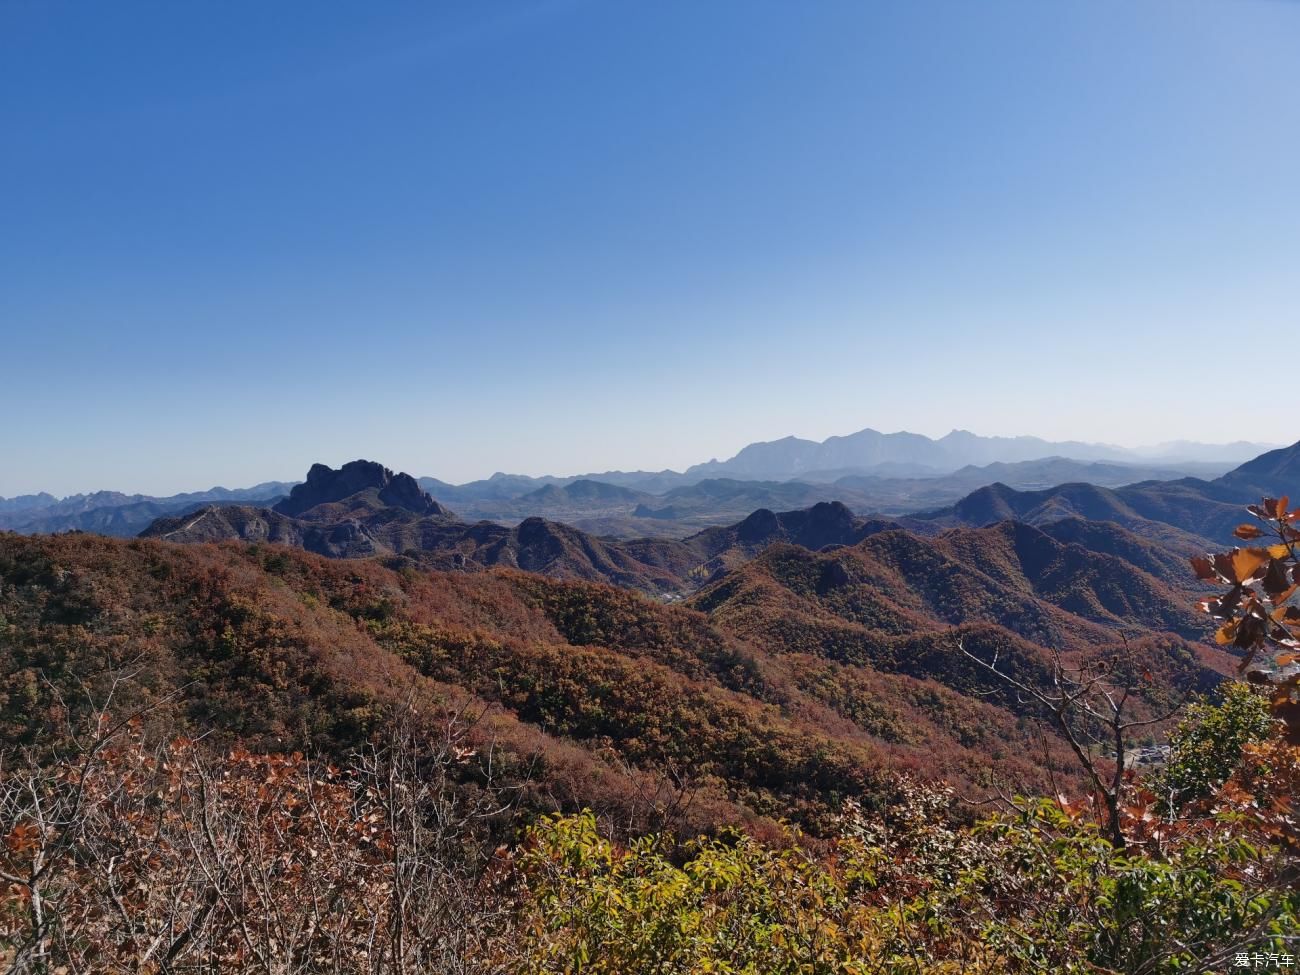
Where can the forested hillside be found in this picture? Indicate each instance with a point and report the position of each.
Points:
(589, 688)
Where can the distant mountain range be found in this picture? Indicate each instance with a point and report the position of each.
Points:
(1186, 515)
(363, 509)
(890, 474)
(115, 513)
(819, 581)
(913, 454)
(678, 511)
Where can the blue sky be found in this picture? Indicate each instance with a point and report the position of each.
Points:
(560, 236)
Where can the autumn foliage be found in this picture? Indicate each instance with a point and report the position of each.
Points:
(1257, 612)
(130, 857)
(127, 856)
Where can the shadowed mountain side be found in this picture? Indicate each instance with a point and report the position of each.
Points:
(997, 502)
(357, 529)
(365, 524)
(1108, 538)
(347, 539)
(1091, 584)
(825, 523)
(562, 552)
(1187, 516)
(1275, 473)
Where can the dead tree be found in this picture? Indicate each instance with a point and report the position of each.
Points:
(1090, 706)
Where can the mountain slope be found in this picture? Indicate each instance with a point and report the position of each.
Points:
(892, 601)
(1275, 473)
(1177, 518)
(593, 695)
(1185, 515)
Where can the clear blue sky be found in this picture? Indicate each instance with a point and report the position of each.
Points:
(239, 237)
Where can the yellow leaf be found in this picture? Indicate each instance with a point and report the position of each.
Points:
(1245, 561)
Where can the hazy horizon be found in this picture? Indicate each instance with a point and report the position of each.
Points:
(561, 236)
(181, 486)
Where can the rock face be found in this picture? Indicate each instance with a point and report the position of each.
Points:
(324, 485)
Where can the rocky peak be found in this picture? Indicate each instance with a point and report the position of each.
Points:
(325, 485)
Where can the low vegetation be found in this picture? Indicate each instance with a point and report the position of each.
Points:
(125, 856)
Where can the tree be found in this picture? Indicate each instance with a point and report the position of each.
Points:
(1090, 705)
(1256, 612)
(1206, 747)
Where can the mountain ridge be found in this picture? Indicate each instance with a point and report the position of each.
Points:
(888, 486)
(791, 456)
(1202, 513)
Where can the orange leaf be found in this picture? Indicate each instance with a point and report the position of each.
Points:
(1247, 561)
(1282, 597)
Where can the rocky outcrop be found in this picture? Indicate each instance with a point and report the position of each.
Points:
(324, 485)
